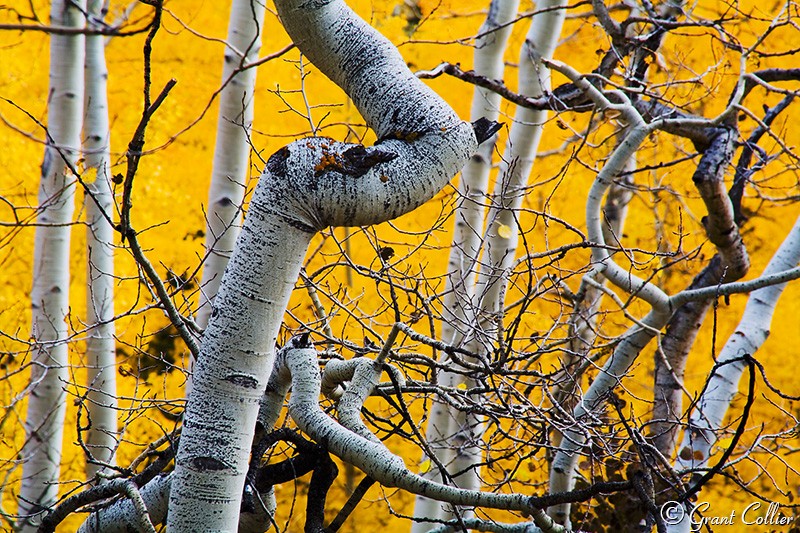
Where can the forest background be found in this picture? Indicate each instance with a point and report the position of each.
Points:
(171, 189)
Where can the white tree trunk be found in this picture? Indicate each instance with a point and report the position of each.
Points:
(307, 186)
(44, 424)
(563, 470)
(232, 151)
(502, 232)
(467, 238)
(723, 385)
(517, 160)
(101, 372)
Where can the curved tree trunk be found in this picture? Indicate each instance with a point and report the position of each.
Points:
(563, 470)
(101, 373)
(307, 186)
(44, 424)
(583, 319)
(729, 264)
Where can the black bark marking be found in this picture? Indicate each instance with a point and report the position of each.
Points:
(314, 4)
(485, 129)
(208, 463)
(242, 380)
(276, 164)
(358, 159)
(301, 341)
(47, 162)
(301, 226)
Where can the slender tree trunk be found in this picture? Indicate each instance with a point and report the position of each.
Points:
(467, 240)
(232, 150)
(502, 233)
(44, 424)
(729, 264)
(583, 320)
(563, 470)
(101, 380)
(723, 385)
(307, 186)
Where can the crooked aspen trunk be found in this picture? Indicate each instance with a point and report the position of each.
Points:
(583, 320)
(44, 424)
(297, 366)
(467, 237)
(123, 517)
(307, 186)
(563, 470)
(729, 264)
(502, 232)
(723, 385)
(721, 231)
(232, 150)
(101, 373)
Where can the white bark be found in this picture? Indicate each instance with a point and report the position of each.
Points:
(467, 237)
(491, 526)
(501, 244)
(101, 439)
(474, 181)
(232, 151)
(348, 411)
(722, 386)
(583, 320)
(297, 364)
(562, 476)
(584, 316)
(44, 424)
(307, 186)
(517, 160)
(122, 516)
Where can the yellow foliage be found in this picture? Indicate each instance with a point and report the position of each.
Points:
(170, 191)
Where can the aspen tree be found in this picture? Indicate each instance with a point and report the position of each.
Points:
(307, 186)
(101, 371)
(232, 150)
(705, 420)
(467, 240)
(44, 422)
(501, 231)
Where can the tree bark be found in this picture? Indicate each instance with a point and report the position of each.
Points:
(44, 424)
(101, 372)
(307, 186)
(232, 151)
(723, 385)
(467, 241)
(502, 232)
